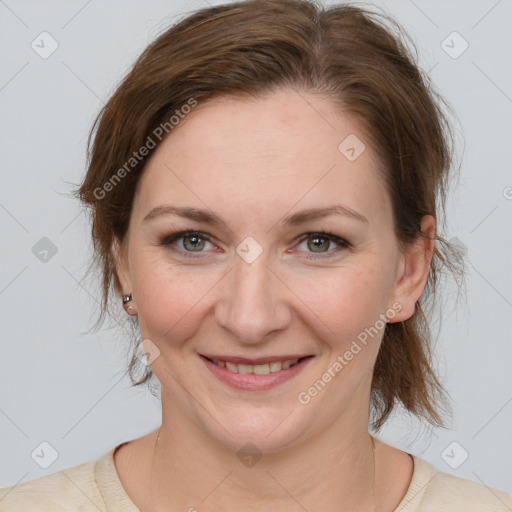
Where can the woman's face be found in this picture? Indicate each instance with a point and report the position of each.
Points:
(255, 181)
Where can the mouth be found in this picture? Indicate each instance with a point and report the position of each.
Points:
(258, 369)
(255, 374)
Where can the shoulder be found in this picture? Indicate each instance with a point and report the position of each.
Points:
(74, 488)
(435, 490)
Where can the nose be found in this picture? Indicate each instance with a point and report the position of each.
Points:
(253, 303)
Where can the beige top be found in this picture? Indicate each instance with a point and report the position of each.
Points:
(95, 486)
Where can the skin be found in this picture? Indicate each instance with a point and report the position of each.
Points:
(252, 162)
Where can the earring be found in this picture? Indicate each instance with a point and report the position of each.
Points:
(129, 308)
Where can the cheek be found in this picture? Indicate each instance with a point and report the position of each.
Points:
(172, 298)
(344, 300)
(347, 304)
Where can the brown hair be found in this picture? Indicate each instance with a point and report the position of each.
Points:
(351, 56)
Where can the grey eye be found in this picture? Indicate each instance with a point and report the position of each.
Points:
(193, 243)
(318, 244)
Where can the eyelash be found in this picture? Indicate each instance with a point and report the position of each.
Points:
(343, 244)
(169, 239)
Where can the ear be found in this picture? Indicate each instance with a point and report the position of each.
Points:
(122, 279)
(414, 270)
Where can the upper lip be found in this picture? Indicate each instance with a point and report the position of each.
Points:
(258, 360)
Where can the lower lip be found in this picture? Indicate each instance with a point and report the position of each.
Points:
(252, 381)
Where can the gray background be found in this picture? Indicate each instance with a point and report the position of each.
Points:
(69, 389)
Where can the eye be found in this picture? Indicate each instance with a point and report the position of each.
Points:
(321, 243)
(187, 242)
(193, 243)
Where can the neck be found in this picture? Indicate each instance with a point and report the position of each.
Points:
(331, 472)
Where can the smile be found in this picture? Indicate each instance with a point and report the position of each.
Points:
(257, 374)
(258, 369)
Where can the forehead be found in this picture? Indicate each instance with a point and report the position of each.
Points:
(268, 154)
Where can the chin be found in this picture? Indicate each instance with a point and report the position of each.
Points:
(268, 430)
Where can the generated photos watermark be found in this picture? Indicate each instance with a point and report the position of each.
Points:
(304, 397)
(137, 156)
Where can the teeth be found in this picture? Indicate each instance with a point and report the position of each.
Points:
(244, 368)
(230, 366)
(275, 367)
(261, 369)
(258, 369)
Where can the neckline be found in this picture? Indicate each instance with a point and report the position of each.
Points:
(423, 474)
(116, 497)
(109, 483)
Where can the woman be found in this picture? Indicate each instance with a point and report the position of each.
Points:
(265, 188)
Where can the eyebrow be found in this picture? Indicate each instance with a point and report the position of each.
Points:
(292, 220)
(319, 213)
(187, 212)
